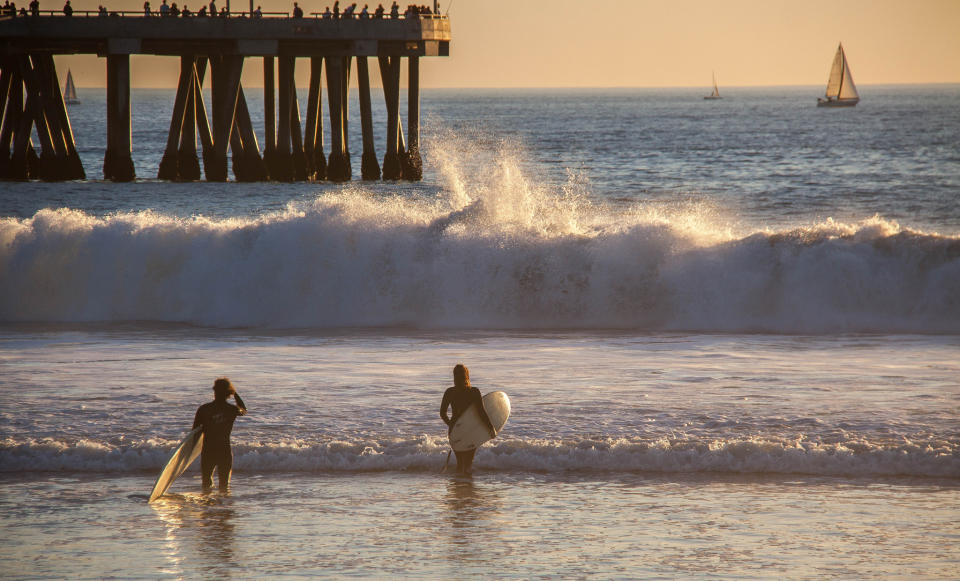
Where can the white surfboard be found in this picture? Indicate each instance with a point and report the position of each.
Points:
(470, 431)
(186, 453)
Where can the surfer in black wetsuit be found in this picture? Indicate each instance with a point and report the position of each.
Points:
(460, 397)
(217, 419)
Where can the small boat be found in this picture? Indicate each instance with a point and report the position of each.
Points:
(841, 92)
(716, 90)
(70, 91)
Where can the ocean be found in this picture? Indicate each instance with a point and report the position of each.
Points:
(730, 332)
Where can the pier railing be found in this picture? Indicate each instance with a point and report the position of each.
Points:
(72, 34)
(193, 14)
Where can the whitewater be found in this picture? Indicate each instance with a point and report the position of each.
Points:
(530, 260)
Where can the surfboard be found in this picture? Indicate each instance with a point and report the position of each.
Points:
(186, 453)
(470, 432)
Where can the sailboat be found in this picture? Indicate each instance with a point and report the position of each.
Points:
(841, 92)
(70, 91)
(716, 90)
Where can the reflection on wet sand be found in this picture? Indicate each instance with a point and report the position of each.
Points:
(199, 531)
(473, 513)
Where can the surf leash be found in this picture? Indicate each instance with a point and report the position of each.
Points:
(447, 463)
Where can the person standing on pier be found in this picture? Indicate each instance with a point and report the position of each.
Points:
(146, 8)
(297, 11)
(164, 9)
(67, 9)
(212, 7)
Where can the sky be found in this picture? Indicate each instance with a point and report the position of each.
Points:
(641, 43)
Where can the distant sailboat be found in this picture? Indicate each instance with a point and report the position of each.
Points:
(716, 90)
(70, 91)
(841, 92)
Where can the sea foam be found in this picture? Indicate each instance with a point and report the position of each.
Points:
(502, 252)
(589, 455)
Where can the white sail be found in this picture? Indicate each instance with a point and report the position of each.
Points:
(847, 89)
(70, 90)
(841, 91)
(716, 89)
(836, 75)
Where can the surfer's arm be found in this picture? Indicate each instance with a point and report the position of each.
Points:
(196, 421)
(443, 410)
(240, 406)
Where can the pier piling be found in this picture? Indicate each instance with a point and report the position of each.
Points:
(169, 163)
(269, 119)
(118, 161)
(338, 75)
(254, 168)
(369, 166)
(297, 156)
(390, 77)
(188, 164)
(203, 124)
(225, 74)
(313, 130)
(412, 163)
(7, 109)
(283, 156)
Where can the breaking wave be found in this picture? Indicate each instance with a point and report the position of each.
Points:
(506, 253)
(425, 453)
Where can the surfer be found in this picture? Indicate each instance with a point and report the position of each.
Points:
(217, 418)
(460, 397)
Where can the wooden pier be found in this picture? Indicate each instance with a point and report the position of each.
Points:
(31, 99)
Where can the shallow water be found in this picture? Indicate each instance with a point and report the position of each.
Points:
(494, 526)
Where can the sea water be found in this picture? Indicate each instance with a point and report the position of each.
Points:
(730, 332)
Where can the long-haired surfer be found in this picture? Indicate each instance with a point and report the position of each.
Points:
(217, 418)
(460, 397)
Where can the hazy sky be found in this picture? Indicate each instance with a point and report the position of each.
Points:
(641, 43)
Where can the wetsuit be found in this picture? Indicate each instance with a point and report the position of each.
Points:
(460, 400)
(217, 419)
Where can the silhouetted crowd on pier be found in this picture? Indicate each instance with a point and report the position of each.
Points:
(10, 9)
(172, 10)
(350, 12)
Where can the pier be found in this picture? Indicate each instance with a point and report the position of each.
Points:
(31, 101)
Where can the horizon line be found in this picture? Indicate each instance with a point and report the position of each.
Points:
(605, 87)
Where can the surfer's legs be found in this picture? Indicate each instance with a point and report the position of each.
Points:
(207, 463)
(465, 461)
(222, 462)
(225, 470)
